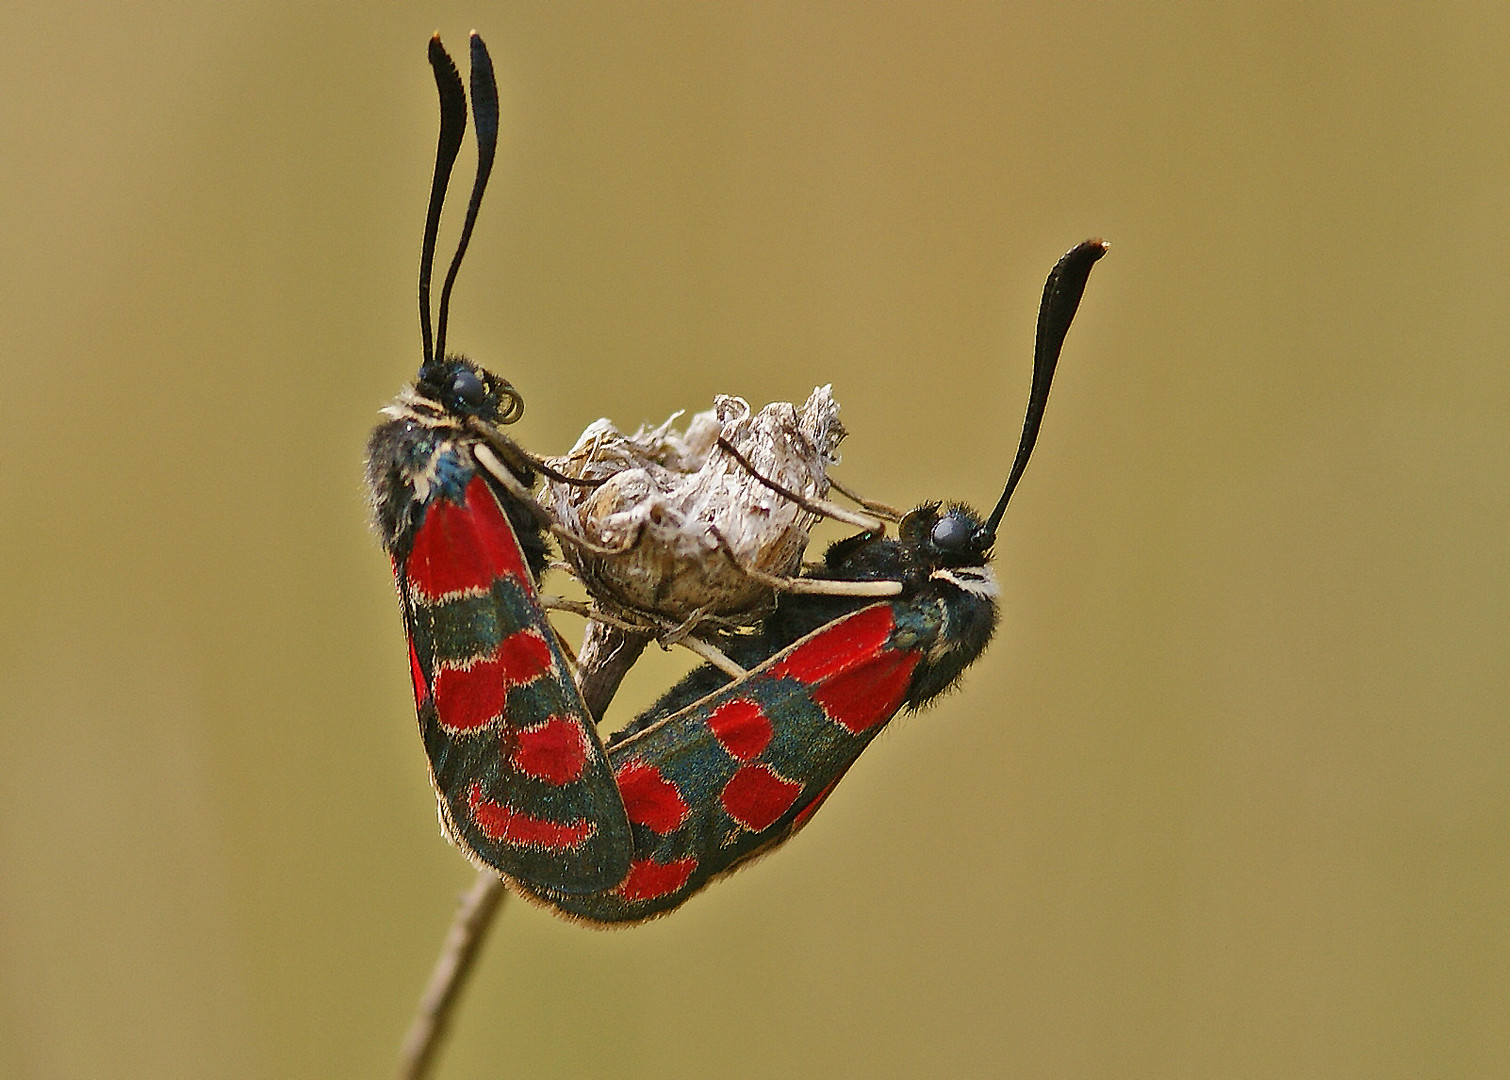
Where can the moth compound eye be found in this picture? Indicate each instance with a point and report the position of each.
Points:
(467, 389)
(951, 533)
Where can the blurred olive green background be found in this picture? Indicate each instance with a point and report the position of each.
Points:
(1228, 796)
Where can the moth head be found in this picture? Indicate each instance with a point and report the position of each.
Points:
(462, 389)
(951, 535)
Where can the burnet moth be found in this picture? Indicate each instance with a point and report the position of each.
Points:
(734, 759)
(724, 769)
(521, 776)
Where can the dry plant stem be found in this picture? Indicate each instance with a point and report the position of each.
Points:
(464, 939)
(474, 916)
(608, 652)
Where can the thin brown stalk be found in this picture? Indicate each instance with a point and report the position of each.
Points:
(464, 940)
(474, 915)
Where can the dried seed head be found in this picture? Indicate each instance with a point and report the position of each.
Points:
(685, 517)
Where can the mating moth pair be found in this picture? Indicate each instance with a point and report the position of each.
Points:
(737, 756)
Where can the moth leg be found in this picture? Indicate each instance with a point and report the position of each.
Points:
(489, 460)
(611, 647)
(713, 655)
(576, 540)
(678, 632)
(827, 587)
(561, 603)
(881, 510)
(680, 635)
(501, 446)
(821, 507)
(560, 477)
(564, 478)
(589, 611)
(683, 634)
(809, 586)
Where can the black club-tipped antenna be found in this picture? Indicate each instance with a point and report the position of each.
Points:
(485, 120)
(1061, 297)
(453, 126)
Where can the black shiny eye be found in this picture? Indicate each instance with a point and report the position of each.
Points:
(467, 389)
(952, 533)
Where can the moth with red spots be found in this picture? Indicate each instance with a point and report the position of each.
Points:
(523, 783)
(735, 758)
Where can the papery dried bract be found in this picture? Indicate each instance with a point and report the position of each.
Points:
(686, 517)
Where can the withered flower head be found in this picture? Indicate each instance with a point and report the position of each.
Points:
(685, 517)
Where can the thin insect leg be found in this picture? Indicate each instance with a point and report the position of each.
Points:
(561, 477)
(881, 510)
(680, 635)
(713, 655)
(509, 448)
(681, 630)
(821, 507)
(578, 541)
(826, 587)
(588, 611)
(809, 586)
(488, 459)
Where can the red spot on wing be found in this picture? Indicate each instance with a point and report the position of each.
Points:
(869, 693)
(523, 657)
(839, 646)
(858, 681)
(473, 697)
(555, 751)
(741, 727)
(649, 879)
(649, 798)
(466, 547)
(500, 822)
(470, 698)
(755, 797)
